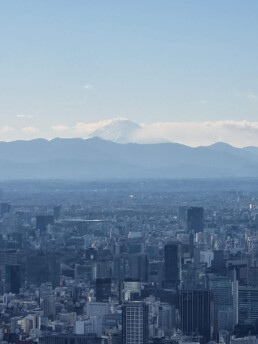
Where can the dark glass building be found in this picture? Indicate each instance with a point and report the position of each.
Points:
(106, 288)
(42, 221)
(196, 311)
(12, 279)
(172, 264)
(57, 212)
(195, 219)
(4, 208)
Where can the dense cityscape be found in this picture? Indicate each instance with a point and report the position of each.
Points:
(128, 172)
(129, 262)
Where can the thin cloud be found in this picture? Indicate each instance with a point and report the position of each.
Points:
(237, 133)
(20, 115)
(88, 128)
(29, 130)
(59, 127)
(88, 87)
(6, 129)
(252, 96)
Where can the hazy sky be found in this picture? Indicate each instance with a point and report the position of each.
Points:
(84, 61)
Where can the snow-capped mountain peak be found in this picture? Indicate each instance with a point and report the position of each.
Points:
(118, 130)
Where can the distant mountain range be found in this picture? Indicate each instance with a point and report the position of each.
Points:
(96, 158)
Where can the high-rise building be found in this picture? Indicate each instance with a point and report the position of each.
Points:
(42, 221)
(134, 266)
(172, 264)
(12, 279)
(43, 267)
(224, 298)
(182, 217)
(166, 317)
(57, 212)
(156, 271)
(195, 219)
(5, 208)
(248, 304)
(106, 289)
(196, 310)
(140, 266)
(49, 306)
(135, 323)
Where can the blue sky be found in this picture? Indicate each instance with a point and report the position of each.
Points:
(86, 61)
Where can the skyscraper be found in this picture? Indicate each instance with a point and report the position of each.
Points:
(42, 221)
(182, 217)
(135, 323)
(4, 208)
(225, 298)
(248, 305)
(172, 264)
(49, 306)
(196, 310)
(195, 219)
(57, 212)
(106, 289)
(12, 279)
(134, 266)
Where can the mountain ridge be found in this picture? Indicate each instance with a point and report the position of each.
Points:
(96, 158)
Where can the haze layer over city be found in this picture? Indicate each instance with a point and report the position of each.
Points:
(128, 172)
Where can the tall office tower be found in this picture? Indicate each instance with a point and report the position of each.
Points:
(43, 267)
(140, 266)
(122, 267)
(9, 271)
(167, 318)
(42, 221)
(235, 298)
(4, 208)
(12, 279)
(103, 269)
(172, 264)
(247, 305)
(156, 272)
(49, 306)
(225, 298)
(218, 264)
(106, 289)
(134, 266)
(195, 219)
(182, 217)
(57, 212)
(135, 323)
(196, 309)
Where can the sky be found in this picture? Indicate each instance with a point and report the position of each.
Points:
(68, 67)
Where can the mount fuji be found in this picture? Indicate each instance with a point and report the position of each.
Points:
(119, 131)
